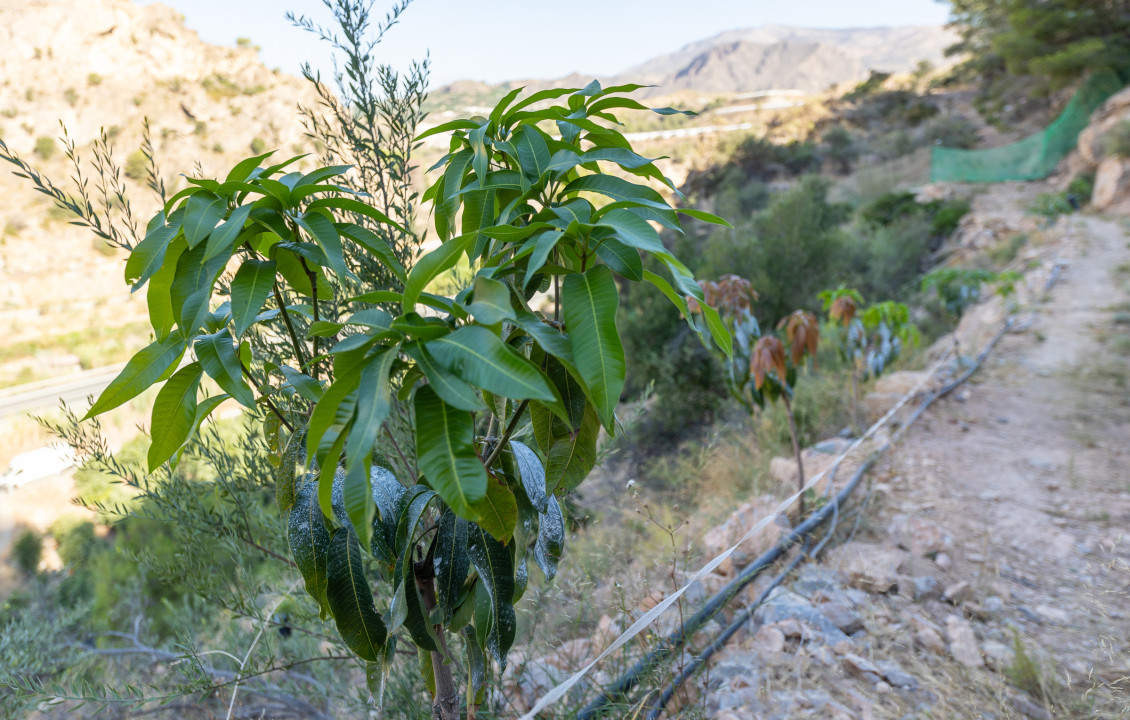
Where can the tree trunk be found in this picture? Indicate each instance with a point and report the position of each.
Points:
(445, 704)
(796, 451)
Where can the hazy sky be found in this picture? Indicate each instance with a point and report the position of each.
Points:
(497, 40)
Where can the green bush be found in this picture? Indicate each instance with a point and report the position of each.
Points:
(137, 165)
(71, 96)
(93, 79)
(951, 131)
(45, 147)
(1082, 186)
(1117, 140)
(663, 354)
(27, 551)
(1050, 206)
(75, 539)
(258, 146)
(789, 251)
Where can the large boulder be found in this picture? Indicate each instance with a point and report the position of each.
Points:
(1112, 185)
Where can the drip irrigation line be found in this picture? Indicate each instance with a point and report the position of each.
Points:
(630, 679)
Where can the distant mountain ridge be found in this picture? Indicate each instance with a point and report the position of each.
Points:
(775, 57)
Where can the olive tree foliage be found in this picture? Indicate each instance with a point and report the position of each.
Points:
(445, 525)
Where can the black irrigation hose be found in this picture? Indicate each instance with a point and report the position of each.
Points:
(630, 679)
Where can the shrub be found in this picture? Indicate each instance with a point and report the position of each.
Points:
(1117, 140)
(27, 552)
(75, 539)
(136, 165)
(789, 251)
(1082, 186)
(258, 146)
(93, 79)
(45, 147)
(1050, 206)
(952, 131)
(71, 96)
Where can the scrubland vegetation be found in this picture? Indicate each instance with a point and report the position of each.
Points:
(194, 556)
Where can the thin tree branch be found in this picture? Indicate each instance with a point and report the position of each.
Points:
(506, 435)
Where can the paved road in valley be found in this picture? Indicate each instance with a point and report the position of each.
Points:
(72, 389)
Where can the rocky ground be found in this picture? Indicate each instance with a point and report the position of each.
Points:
(986, 573)
(989, 577)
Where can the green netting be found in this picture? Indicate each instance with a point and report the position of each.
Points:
(1033, 157)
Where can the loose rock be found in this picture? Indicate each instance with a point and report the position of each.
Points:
(963, 642)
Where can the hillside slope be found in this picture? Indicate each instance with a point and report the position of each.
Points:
(110, 64)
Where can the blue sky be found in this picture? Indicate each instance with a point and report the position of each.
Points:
(509, 39)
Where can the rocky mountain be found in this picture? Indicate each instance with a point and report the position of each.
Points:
(108, 65)
(772, 57)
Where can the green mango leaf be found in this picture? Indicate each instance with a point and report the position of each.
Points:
(492, 561)
(388, 496)
(703, 216)
(221, 240)
(416, 620)
(192, 287)
(173, 413)
(618, 189)
(144, 369)
(159, 298)
(306, 386)
(428, 267)
(351, 601)
(589, 303)
(355, 206)
(452, 390)
(476, 355)
(286, 475)
(244, 168)
(374, 244)
(216, 353)
(621, 258)
(498, 510)
(451, 562)
(532, 475)
(533, 151)
(331, 412)
(310, 541)
(521, 578)
(446, 453)
(148, 256)
(374, 401)
(547, 337)
(250, 288)
(461, 124)
(539, 96)
(551, 539)
(324, 233)
(543, 245)
(491, 304)
(572, 457)
(203, 211)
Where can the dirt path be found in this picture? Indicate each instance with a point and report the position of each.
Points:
(999, 523)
